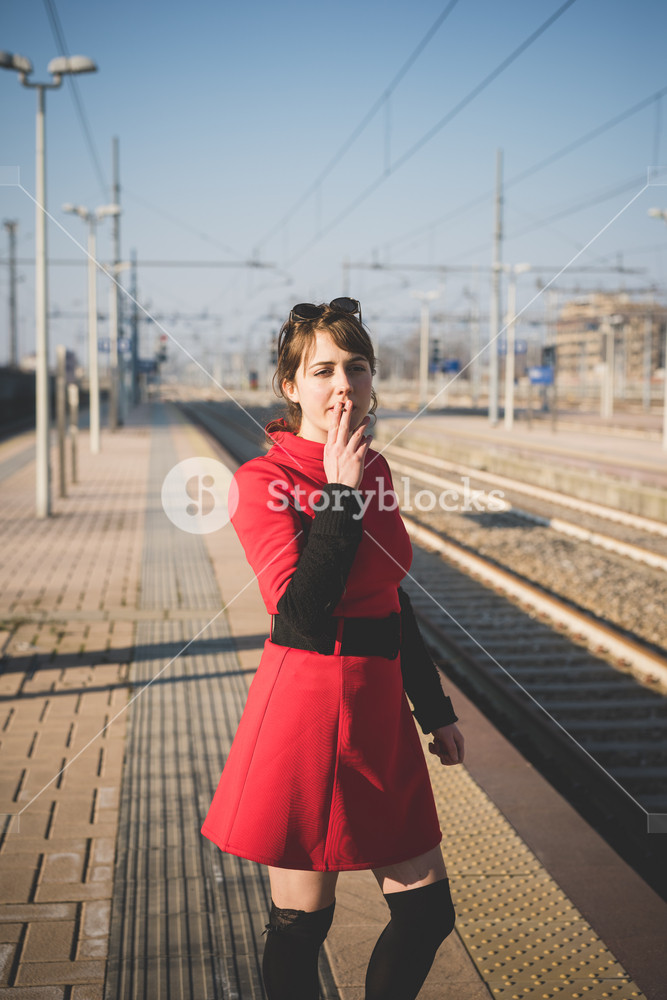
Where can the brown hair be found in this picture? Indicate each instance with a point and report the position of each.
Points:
(296, 340)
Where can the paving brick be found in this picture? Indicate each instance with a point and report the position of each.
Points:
(100, 873)
(105, 817)
(93, 948)
(103, 851)
(34, 846)
(35, 993)
(16, 886)
(27, 861)
(35, 911)
(10, 933)
(64, 867)
(49, 942)
(62, 824)
(107, 797)
(96, 919)
(53, 973)
(7, 952)
(72, 891)
(91, 992)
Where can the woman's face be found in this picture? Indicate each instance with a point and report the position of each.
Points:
(326, 376)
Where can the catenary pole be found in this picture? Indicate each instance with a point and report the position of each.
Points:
(93, 357)
(495, 292)
(116, 381)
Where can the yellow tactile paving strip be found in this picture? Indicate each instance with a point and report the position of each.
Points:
(526, 938)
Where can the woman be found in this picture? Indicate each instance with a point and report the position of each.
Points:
(327, 773)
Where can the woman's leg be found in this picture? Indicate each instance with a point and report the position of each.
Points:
(422, 916)
(301, 914)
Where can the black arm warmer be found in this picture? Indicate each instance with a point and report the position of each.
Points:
(318, 582)
(421, 680)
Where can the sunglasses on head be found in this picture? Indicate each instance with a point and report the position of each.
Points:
(308, 310)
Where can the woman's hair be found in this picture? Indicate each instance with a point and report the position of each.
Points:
(296, 341)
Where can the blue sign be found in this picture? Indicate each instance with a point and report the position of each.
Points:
(451, 365)
(124, 345)
(520, 347)
(541, 375)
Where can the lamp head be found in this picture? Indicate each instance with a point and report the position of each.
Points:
(79, 210)
(11, 60)
(62, 65)
(104, 210)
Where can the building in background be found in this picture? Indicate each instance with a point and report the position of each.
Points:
(627, 331)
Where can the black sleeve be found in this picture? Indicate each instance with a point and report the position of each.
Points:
(318, 582)
(421, 679)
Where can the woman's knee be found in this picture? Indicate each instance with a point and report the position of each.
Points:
(302, 890)
(422, 870)
(308, 927)
(425, 913)
(289, 963)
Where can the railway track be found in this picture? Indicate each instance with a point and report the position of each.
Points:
(574, 685)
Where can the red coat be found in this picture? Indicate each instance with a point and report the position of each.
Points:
(326, 771)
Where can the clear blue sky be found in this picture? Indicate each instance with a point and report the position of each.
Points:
(227, 113)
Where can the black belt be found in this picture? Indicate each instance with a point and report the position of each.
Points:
(344, 636)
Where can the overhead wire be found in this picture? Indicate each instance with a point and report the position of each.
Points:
(633, 183)
(182, 224)
(365, 121)
(435, 129)
(59, 35)
(535, 168)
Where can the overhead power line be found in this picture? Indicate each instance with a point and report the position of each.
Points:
(59, 35)
(365, 121)
(570, 147)
(581, 205)
(182, 224)
(435, 129)
(578, 206)
(593, 134)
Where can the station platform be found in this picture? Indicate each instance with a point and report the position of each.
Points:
(128, 648)
(616, 465)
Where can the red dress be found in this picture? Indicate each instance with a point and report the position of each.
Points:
(326, 771)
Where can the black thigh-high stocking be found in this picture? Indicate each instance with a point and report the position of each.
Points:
(293, 942)
(420, 921)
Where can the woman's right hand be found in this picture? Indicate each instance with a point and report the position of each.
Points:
(345, 452)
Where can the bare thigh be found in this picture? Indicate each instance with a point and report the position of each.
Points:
(423, 870)
(297, 890)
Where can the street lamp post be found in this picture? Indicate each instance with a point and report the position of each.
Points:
(58, 68)
(92, 218)
(425, 298)
(660, 213)
(514, 272)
